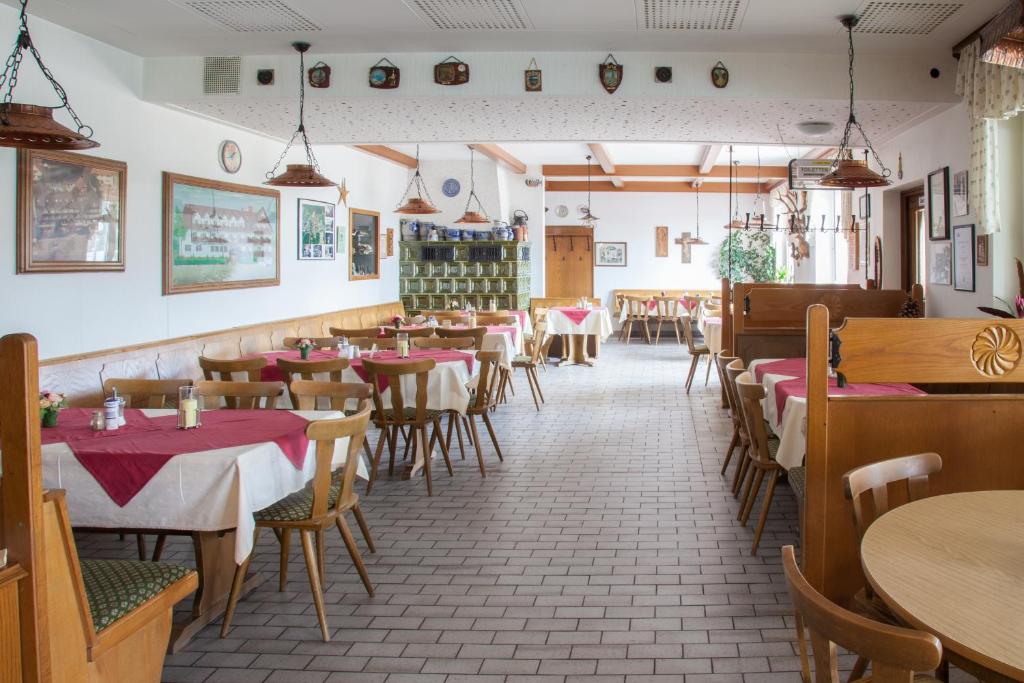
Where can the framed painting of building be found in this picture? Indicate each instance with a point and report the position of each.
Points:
(317, 232)
(71, 212)
(219, 235)
(364, 245)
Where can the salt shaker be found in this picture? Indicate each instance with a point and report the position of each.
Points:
(98, 423)
(110, 419)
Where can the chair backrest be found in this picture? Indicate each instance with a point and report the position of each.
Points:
(541, 341)
(306, 392)
(667, 306)
(146, 393)
(305, 369)
(439, 343)
(392, 373)
(750, 394)
(354, 331)
(895, 653)
(366, 343)
(224, 370)
(723, 362)
(496, 320)
(318, 342)
(911, 470)
(241, 395)
(486, 385)
(540, 314)
(476, 333)
(638, 307)
(734, 369)
(325, 434)
(446, 315)
(412, 332)
(687, 321)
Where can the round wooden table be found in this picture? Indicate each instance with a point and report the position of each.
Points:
(953, 565)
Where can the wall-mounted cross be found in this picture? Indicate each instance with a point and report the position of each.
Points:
(684, 242)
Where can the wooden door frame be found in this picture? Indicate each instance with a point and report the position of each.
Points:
(908, 250)
(569, 231)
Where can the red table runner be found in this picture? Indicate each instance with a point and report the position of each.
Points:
(439, 356)
(577, 315)
(123, 461)
(652, 304)
(798, 387)
(272, 373)
(791, 367)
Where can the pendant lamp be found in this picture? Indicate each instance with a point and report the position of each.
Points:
(734, 223)
(32, 126)
(696, 240)
(847, 172)
(759, 222)
(585, 216)
(307, 174)
(479, 216)
(417, 206)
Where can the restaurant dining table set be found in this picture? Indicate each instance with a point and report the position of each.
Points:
(686, 307)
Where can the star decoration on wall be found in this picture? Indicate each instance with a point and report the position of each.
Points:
(343, 193)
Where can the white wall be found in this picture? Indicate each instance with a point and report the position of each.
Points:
(632, 216)
(79, 312)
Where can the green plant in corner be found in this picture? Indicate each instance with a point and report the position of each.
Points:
(753, 257)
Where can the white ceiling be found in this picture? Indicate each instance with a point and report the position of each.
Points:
(245, 27)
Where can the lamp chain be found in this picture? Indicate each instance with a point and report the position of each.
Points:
(852, 122)
(301, 130)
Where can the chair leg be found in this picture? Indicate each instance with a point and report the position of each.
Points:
(773, 477)
(629, 331)
(314, 580)
(375, 462)
(366, 449)
(421, 433)
(707, 375)
(236, 587)
(363, 526)
(693, 371)
(647, 331)
(393, 448)
(657, 337)
(494, 439)
(476, 443)
(859, 668)
(529, 380)
(532, 370)
(140, 542)
(678, 326)
(321, 553)
(158, 551)
(353, 550)
(748, 501)
(458, 432)
(740, 476)
(732, 447)
(285, 540)
(444, 448)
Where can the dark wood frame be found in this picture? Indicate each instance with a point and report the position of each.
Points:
(908, 247)
(23, 228)
(931, 204)
(972, 247)
(169, 179)
(625, 255)
(352, 243)
(298, 229)
(982, 246)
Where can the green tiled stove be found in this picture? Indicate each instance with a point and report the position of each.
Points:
(437, 275)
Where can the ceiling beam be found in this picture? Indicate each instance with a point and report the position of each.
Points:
(661, 171)
(385, 152)
(711, 154)
(600, 153)
(651, 186)
(498, 154)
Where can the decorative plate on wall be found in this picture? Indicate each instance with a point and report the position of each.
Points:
(561, 210)
(451, 187)
(230, 156)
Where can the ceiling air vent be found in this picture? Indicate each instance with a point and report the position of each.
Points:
(693, 15)
(250, 16)
(457, 15)
(222, 75)
(905, 18)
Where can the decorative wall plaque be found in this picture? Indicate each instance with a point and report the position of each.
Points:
(320, 75)
(661, 240)
(610, 73)
(532, 77)
(451, 71)
(385, 75)
(720, 75)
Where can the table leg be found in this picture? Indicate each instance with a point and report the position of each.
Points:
(578, 351)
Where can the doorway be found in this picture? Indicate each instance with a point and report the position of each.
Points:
(913, 238)
(568, 261)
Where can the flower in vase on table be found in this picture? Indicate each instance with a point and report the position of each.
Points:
(305, 345)
(397, 321)
(50, 404)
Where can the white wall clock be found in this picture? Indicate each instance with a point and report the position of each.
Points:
(561, 210)
(230, 156)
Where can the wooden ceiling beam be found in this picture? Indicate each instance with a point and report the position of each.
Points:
(389, 154)
(499, 155)
(707, 161)
(651, 186)
(600, 153)
(660, 171)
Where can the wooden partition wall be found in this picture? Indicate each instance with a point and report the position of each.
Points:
(977, 435)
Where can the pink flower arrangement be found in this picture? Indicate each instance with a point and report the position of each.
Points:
(397, 321)
(304, 343)
(51, 401)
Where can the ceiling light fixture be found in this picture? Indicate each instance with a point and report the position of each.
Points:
(696, 240)
(847, 172)
(30, 125)
(307, 174)
(479, 216)
(587, 217)
(815, 129)
(417, 206)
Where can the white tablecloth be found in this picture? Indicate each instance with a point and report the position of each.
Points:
(203, 491)
(711, 328)
(791, 426)
(502, 342)
(598, 322)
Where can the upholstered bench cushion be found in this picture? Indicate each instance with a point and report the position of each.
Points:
(522, 360)
(797, 481)
(295, 506)
(116, 587)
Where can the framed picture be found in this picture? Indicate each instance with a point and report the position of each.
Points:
(865, 206)
(219, 235)
(963, 258)
(71, 212)
(364, 245)
(938, 204)
(981, 249)
(961, 204)
(610, 254)
(317, 233)
(661, 240)
(940, 271)
(390, 243)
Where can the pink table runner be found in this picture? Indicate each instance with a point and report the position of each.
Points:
(798, 387)
(123, 461)
(792, 367)
(522, 319)
(272, 373)
(577, 315)
(652, 305)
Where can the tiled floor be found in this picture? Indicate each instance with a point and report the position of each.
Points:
(604, 548)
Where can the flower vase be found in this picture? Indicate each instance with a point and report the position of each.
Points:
(50, 418)
(304, 352)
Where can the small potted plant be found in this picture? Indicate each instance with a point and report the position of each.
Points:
(50, 405)
(304, 345)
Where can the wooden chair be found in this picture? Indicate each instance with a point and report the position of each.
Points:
(497, 320)
(454, 316)
(637, 313)
(895, 653)
(399, 418)
(483, 400)
(540, 315)
(354, 331)
(667, 311)
(529, 364)
(697, 351)
(732, 371)
(366, 343)
(734, 412)
(241, 395)
(225, 370)
(318, 342)
(412, 332)
(146, 393)
(305, 369)
(315, 509)
(476, 333)
(461, 343)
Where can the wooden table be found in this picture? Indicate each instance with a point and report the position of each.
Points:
(953, 565)
(597, 323)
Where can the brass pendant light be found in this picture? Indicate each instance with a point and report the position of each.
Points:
(307, 174)
(479, 216)
(847, 172)
(696, 240)
(29, 125)
(417, 206)
(585, 216)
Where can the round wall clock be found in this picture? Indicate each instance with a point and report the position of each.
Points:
(230, 156)
(561, 210)
(451, 187)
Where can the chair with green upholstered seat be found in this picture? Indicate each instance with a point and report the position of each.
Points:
(529, 364)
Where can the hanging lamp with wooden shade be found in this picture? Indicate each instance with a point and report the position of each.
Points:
(696, 240)
(585, 215)
(307, 174)
(417, 206)
(480, 215)
(1002, 39)
(849, 173)
(32, 126)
